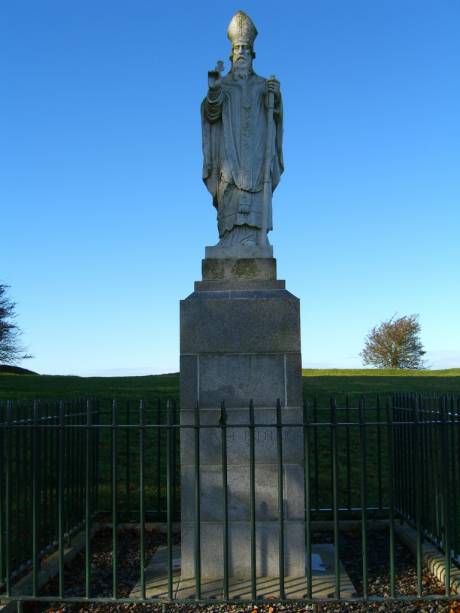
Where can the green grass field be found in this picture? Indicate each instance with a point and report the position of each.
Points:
(66, 387)
(369, 382)
(319, 383)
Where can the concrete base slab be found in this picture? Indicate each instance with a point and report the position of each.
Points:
(432, 557)
(156, 580)
(49, 569)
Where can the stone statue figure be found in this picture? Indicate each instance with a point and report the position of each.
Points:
(242, 124)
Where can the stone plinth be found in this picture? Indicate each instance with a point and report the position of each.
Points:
(238, 252)
(248, 269)
(240, 340)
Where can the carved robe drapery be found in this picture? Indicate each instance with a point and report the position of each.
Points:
(234, 125)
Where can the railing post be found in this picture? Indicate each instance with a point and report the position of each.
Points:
(335, 502)
(73, 462)
(362, 436)
(456, 450)
(453, 502)
(35, 497)
(445, 490)
(44, 481)
(169, 501)
(316, 452)
(158, 463)
(223, 438)
(439, 472)
(307, 499)
(80, 455)
(97, 420)
(417, 477)
(279, 447)
(252, 499)
(197, 505)
(114, 502)
(128, 460)
(61, 465)
(347, 432)
(379, 453)
(2, 497)
(88, 501)
(175, 438)
(142, 495)
(9, 415)
(390, 451)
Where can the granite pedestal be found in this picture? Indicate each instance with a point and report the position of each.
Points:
(240, 340)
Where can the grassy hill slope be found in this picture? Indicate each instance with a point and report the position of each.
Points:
(320, 383)
(57, 386)
(369, 382)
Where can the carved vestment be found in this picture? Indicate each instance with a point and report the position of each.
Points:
(234, 125)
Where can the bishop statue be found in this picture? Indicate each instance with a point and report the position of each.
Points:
(242, 124)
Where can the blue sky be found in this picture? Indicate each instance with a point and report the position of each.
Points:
(104, 217)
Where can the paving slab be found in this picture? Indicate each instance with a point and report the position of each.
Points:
(156, 580)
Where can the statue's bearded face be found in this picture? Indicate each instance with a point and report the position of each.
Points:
(242, 59)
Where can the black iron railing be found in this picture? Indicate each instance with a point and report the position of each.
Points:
(70, 467)
(427, 473)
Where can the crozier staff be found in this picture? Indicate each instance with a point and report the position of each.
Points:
(242, 142)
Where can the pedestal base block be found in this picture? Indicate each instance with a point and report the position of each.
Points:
(240, 341)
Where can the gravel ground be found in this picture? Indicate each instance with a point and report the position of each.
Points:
(350, 553)
(378, 564)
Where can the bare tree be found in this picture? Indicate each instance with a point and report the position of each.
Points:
(395, 343)
(11, 350)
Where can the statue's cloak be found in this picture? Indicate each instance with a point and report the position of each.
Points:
(234, 130)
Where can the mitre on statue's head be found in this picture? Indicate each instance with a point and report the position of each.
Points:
(241, 30)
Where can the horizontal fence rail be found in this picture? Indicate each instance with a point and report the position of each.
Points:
(68, 468)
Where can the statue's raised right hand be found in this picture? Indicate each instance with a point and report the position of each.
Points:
(214, 79)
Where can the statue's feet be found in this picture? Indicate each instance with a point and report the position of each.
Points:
(243, 236)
